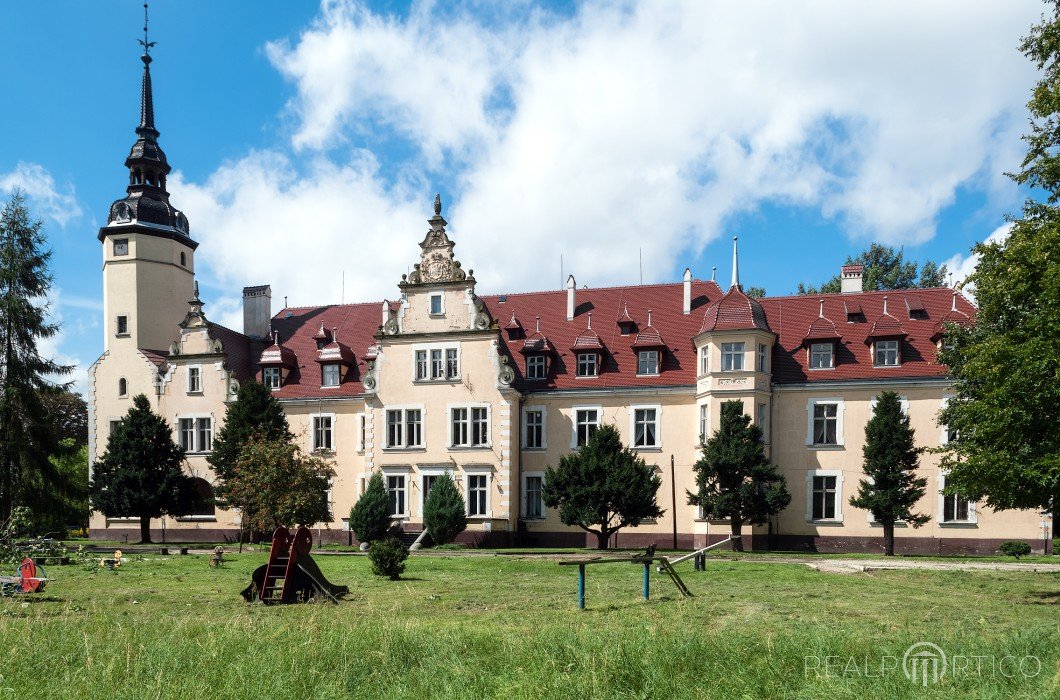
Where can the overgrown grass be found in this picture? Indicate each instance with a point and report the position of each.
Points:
(505, 626)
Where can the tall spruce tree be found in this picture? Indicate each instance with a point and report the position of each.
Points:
(602, 487)
(140, 474)
(1006, 407)
(892, 489)
(444, 513)
(254, 413)
(734, 479)
(370, 516)
(26, 438)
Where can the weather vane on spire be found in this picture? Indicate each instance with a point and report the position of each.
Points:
(144, 42)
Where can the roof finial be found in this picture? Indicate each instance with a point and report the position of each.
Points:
(590, 315)
(735, 265)
(885, 305)
(335, 334)
(196, 290)
(953, 307)
(714, 274)
(538, 323)
(144, 42)
(275, 337)
(820, 314)
(438, 205)
(649, 317)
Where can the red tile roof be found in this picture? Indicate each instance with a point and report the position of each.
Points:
(885, 325)
(735, 311)
(155, 357)
(241, 352)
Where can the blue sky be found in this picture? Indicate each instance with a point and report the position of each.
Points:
(308, 140)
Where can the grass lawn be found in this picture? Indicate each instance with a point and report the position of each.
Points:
(506, 626)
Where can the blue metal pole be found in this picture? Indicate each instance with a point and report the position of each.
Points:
(581, 586)
(647, 570)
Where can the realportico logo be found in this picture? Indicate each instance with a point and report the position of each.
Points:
(924, 663)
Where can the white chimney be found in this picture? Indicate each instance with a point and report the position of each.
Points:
(687, 307)
(735, 265)
(850, 281)
(571, 284)
(257, 311)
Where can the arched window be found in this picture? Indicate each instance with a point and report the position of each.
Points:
(183, 260)
(204, 499)
(123, 387)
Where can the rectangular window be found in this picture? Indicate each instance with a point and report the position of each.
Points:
(204, 428)
(428, 484)
(586, 422)
(825, 424)
(586, 364)
(270, 377)
(452, 365)
(413, 427)
(821, 356)
(113, 426)
(187, 434)
(436, 305)
(122, 327)
(535, 502)
(731, 357)
(470, 427)
(437, 366)
(763, 357)
(535, 367)
(121, 246)
(421, 364)
(645, 427)
(886, 353)
(824, 497)
(704, 423)
(395, 436)
(477, 494)
(762, 408)
(704, 359)
(395, 489)
(362, 432)
(322, 432)
(404, 427)
(534, 432)
(954, 509)
(194, 380)
(480, 426)
(648, 362)
(331, 375)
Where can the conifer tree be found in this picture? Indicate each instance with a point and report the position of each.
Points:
(26, 439)
(444, 513)
(602, 487)
(140, 474)
(255, 412)
(734, 480)
(891, 459)
(370, 516)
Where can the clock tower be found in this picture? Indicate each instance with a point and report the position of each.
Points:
(148, 253)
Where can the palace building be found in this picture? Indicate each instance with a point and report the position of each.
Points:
(495, 388)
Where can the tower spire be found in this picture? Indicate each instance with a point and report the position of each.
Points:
(147, 102)
(735, 265)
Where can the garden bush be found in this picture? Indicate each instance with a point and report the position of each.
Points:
(388, 558)
(1015, 548)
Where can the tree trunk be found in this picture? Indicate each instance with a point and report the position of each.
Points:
(888, 539)
(735, 525)
(145, 530)
(601, 539)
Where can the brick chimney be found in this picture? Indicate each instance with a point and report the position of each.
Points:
(257, 311)
(850, 279)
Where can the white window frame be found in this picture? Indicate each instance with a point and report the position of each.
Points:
(403, 411)
(944, 430)
(197, 445)
(763, 357)
(633, 426)
(327, 368)
(814, 350)
(198, 375)
(574, 421)
(473, 471)
(645, 356)
(361, 421)
(470, 425)
(428, 357)
(526, 427)
(313, 432)
(403, 473)
(897, 353)
(973, 510)
(903, 400)
(536, 367)
(704, 423)
(524, 509)
(272, 372)
(441, 305)
(578, 365)
(704, 360)
(732, 355)
(838, 474)
(840, 410)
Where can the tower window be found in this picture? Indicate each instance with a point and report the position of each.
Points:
(123, 387)
(436, 305)
(183, 260)
(122, 326)
(121, 246)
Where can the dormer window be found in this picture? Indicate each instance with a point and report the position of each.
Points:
(587, 364)
(732, 357)
(437, 308)
(822, 356)
(331, 374)
(270, 377)
(536, 367)
(648, 362)
(886, 353)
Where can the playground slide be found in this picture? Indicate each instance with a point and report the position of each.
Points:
(309, 567)
(308, 582)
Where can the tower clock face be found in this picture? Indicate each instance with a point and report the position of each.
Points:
(121, 246)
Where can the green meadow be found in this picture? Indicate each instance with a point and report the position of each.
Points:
(509, 627)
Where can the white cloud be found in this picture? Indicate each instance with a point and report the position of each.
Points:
(962, 266)
(45, 197)
(623, 126)
(54, 348)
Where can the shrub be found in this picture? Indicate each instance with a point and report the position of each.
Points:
(444, 513)
(388, 558)
(1014, 548)
(370, 517)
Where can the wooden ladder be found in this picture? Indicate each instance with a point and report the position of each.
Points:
(274, 586)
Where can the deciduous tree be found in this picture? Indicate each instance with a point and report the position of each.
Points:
(734, 479)
(255, 412)
(892, 488)
(885, 268)
(602, 487)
